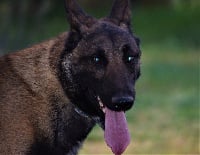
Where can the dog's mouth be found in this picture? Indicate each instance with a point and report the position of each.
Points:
(116, 132)
(102, 106)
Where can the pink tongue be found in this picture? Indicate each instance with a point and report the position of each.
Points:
(116, 133)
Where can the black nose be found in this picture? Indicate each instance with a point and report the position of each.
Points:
(122, 103)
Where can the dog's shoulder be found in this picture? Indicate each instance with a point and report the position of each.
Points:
(33, 66)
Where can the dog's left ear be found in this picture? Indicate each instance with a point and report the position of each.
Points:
(121, 13)
(79, 21)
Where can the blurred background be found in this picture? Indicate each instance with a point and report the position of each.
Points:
(165, 117)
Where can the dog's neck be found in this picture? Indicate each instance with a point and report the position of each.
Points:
(70, 128)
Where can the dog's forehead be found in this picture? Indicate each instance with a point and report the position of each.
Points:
(107, 35)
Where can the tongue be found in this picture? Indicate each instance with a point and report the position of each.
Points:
(116, 133)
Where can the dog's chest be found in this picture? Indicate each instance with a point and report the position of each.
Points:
(71, 129)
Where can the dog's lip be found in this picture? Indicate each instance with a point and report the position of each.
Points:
(102, 106)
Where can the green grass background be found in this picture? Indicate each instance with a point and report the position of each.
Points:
(165, 117)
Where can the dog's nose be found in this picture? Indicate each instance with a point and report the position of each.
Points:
(122, 103)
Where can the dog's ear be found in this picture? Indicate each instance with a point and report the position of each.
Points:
(79, 21)
(120, 13)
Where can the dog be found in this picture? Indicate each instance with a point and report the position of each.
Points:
(53, 93)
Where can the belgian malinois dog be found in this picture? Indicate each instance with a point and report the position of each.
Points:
(52, 94)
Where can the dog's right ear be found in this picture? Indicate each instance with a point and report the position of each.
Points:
(79, 21)
(121, 13)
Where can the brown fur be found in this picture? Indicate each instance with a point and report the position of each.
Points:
(27, 84)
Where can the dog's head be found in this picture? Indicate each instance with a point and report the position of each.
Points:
(101, 61)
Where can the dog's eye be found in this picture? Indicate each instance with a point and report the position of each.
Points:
(127, 56)
(130, 59)
(99, 60)
(96, 59)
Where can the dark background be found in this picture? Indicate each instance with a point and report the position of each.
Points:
(23, 22)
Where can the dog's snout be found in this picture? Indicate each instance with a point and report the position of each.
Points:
(122, 103)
